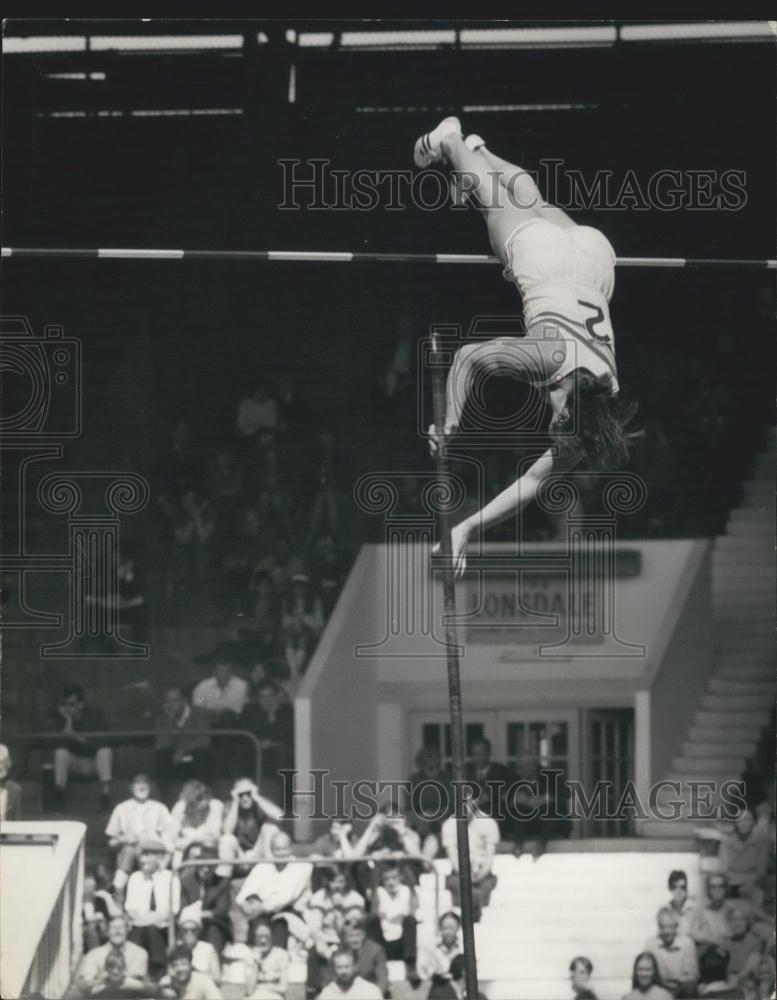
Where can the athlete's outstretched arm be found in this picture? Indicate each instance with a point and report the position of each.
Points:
(509, 501)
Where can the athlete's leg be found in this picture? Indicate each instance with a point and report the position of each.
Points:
(520, 185)
(504, 214)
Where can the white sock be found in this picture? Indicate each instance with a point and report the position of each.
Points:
(474, 142)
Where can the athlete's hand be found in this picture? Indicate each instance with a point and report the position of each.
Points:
(435, 437)
(459, 541)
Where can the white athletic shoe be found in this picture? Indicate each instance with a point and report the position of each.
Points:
(427, 148)
(474, 142)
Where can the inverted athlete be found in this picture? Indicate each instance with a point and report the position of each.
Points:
(565, 274)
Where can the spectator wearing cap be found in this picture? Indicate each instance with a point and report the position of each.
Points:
(92, 969)
(713, 976)
(207, 896)
(136, 819)
(249, 823)
(182, 742)
(302, 621)
(77, 754)
(580, 972)
(204, 956)
(10, 791)
(681, 905)
(675, 954)
(195, 818)
(153, 897)
(184, 980)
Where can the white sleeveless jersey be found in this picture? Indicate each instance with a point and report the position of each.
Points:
(566, 278)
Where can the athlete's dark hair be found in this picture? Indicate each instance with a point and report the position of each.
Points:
(593, 434)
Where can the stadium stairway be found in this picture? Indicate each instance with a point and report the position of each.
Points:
(736, 708)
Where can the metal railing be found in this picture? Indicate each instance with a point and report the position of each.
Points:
(317, 861)
(118, 737)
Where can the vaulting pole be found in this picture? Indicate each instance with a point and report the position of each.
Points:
(454, 677)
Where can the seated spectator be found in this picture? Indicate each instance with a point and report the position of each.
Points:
(580, 971)
(204, 956)
(710, 922)
(207, 898)
(78, 754)
(97, 909)
(249, 824)
(257, 412)
(116, 984)
(744, 858)
(278, 892)
(328, 571)
(302, 621)
(760, 982)
(132, 821)
(369, 955)
(222, 696)
(187, 983)
(743, 946)
(345, 982)
(92, 970)
(436, 964)
(270, 964)
(493, 779)
(180, 756)
(675, 954)
(429, 795)
(10, 791)
(455, 987)
(713, 976)
(335, 843)
(335, 897)
(646, 980)
(393, 923)
(195, 818)
(271, 719)
(483, 841)
(682, 907)
(388, 833)
(280, 565)
(153, 897)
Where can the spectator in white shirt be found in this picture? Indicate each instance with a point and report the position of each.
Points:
(195, 818)
(436, 963)
(223, 692)
(249, 825)
(204, 956)
(483, 841)
(279, 892)
(136, 819)
(346, 984)
(92, 970)
(258, 412)
(393, 924)
(153, 897)
(675, 954)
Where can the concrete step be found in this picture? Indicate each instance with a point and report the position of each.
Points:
(732, 702)
(547, 989)
(720, 719)
(712, 750)
(705, 767)
(747, 686)
(733, 670)
(723, 734)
